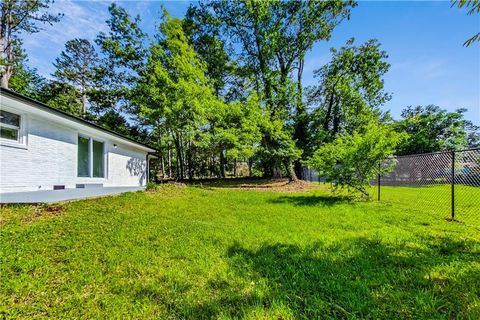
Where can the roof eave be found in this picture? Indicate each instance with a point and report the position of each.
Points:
(48, 108)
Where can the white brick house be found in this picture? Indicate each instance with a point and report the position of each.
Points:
(42, 148)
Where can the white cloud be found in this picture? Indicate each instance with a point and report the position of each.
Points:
(83, 19)
(435, 69)
(426, 68)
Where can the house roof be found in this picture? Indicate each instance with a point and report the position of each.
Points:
(47, 108)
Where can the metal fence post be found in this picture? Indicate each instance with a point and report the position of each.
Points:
(378, 179)
(453, 185)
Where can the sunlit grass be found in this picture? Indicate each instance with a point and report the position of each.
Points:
(435, 200)
(220, 253)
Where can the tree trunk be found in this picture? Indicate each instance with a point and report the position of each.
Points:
(329, 111)
(184, 161)
(300, 134)
(262, 63)
(163, 165)
(336, 119)
(169, 163)
(222, 164)
(6, 75)
(267, 169)
(235, 167)
(250, 167)
(298, 169)
(178, 149)
(290, 172)
(6, 45)
(189, 161)
(84, 104)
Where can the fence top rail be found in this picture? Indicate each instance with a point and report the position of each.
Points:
(432, 153)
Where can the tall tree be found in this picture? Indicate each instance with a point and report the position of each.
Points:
(306, 22)
(173, 93)
(76, 66)
(17, 17)
(235, 129)
(431, 128)
(273, 37)
(250, 23)
(123, 54)
(203, 32)
(349, 93)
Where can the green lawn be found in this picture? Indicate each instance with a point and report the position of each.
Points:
(199, 252)
(436, 200)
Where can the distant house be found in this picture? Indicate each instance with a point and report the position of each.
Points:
(42, 148)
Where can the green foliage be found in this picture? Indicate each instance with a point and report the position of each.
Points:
(27, 81)
(431, 129)
(151, 186)
(353, 160)
(278, 150)
(203, 32)
(473, 8)
(123, 54)
(350, 92)
(271, 40)
(173, 85)
(76, 64)
(173, 95)
(19, 17)
(114, 121)
(236, 127)
(62, 96)
(123, 45)
(76, 67)
(206, 253)
(224, 85)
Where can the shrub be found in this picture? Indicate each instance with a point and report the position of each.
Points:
(353, 160)
(151, 186)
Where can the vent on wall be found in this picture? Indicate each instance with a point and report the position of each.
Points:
(58, 187)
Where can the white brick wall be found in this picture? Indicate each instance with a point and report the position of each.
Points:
(49, 156)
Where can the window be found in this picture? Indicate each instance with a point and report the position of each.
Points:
(9, 126)
(90, 159)
(97, 159)
(83, 158)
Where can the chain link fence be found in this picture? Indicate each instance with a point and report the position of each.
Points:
(446, 184)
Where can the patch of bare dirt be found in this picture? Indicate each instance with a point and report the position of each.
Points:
(43, 211)
(273, 185)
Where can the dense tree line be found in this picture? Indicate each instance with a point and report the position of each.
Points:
(224, 84)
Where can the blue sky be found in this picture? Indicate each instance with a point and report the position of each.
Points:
(424, 41)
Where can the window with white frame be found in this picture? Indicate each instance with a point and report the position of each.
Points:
(9, 126)
(90, 159)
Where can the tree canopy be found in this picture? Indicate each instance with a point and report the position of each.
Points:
(431, 128)
(76, 66)
(19, 17)
(222, 90)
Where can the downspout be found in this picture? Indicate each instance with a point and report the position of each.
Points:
(147, 158)
(147, 174)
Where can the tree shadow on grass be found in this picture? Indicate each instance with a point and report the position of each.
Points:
(311, 200)
(239, 183)
(358, 278)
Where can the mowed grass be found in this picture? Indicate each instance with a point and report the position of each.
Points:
(201, 252)
(435, 200)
